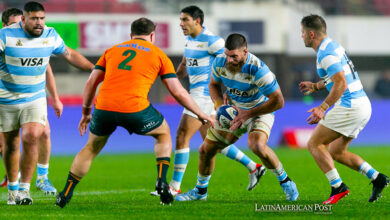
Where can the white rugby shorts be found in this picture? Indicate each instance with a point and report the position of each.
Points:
(204, 103)
(262, 123)
(348, 121)
(13, 116)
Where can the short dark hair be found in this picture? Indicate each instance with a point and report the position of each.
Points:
(33, 6)
(142, 26)
(235, 41)
(315, 23)
(10, 12)
(195, 12)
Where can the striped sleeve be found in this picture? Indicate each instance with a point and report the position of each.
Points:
(2, 41)
(331, 64)
(215, 72)
(217, 46)
(59, 45)
(266, 80)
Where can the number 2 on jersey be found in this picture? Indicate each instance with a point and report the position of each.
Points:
(130, 55)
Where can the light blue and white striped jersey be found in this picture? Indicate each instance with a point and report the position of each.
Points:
(200, 53)
(331, 59)
(249, 88)
(23, 63)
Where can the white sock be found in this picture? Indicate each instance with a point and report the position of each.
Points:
(334, 178)
(279, 172)
(366, 169)
(24, 186)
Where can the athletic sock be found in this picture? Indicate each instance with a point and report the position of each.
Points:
(13, 186)
(24, 186)
(180, 165)
(42, 171)
(236, 154)
(162, 168)
(202, 183)
(280, 173)
(71, 183)
(366, 169)
(334, 178)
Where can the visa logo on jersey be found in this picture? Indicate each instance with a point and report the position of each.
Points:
(192, 62)
(31, 61)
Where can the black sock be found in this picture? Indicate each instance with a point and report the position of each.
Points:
(71, 183)
(162, 168)
(202, 190)
(285, 180)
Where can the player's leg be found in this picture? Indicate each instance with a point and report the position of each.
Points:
(212, 144)
(257, 142)
(317, 144)
(259, 131)
(44, 148)
(33, 118)
(236, 154)
(102, 125)
(11, 163)
(188, 126)
(3, 182)
(80, 166)
(163, 150)
(338, 150)
(31, 133)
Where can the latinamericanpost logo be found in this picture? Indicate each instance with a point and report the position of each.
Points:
(313, 208)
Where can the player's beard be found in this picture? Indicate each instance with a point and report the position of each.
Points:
(32, 33)
(235, 68)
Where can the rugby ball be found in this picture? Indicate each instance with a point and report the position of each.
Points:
(225, 115)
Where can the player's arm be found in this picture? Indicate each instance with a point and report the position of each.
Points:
(308, 87)
(215, 90)
(338, 89)
(275, 102)
(51, 87)
(96, 77)
(181, 95)
(182, 69)
(76, 59)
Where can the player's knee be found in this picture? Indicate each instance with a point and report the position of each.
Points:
(31, 137)
(46, 134)
(336, 155)
(259, 149)
(312, 145)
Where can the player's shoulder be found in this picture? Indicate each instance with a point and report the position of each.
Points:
(220, 60)
(11, 29)
(328, 47)
(210, 37)
(254, 64)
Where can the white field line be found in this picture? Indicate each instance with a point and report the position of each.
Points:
(41, 196)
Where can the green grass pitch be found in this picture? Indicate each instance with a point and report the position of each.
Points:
(118, 186)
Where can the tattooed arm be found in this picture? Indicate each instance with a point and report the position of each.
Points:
(76, 59)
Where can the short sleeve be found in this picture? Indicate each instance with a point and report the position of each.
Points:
(216, 75)
(331, 64)
(59, 45)
(101, 63)
(265, 80)
(2, 41)
(167, 70)
(217, 46)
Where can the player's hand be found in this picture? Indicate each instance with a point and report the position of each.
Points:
(83, 125)
(57, 107)
(207, 119)
(317, 113)
(238, 121)
(306, 87)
